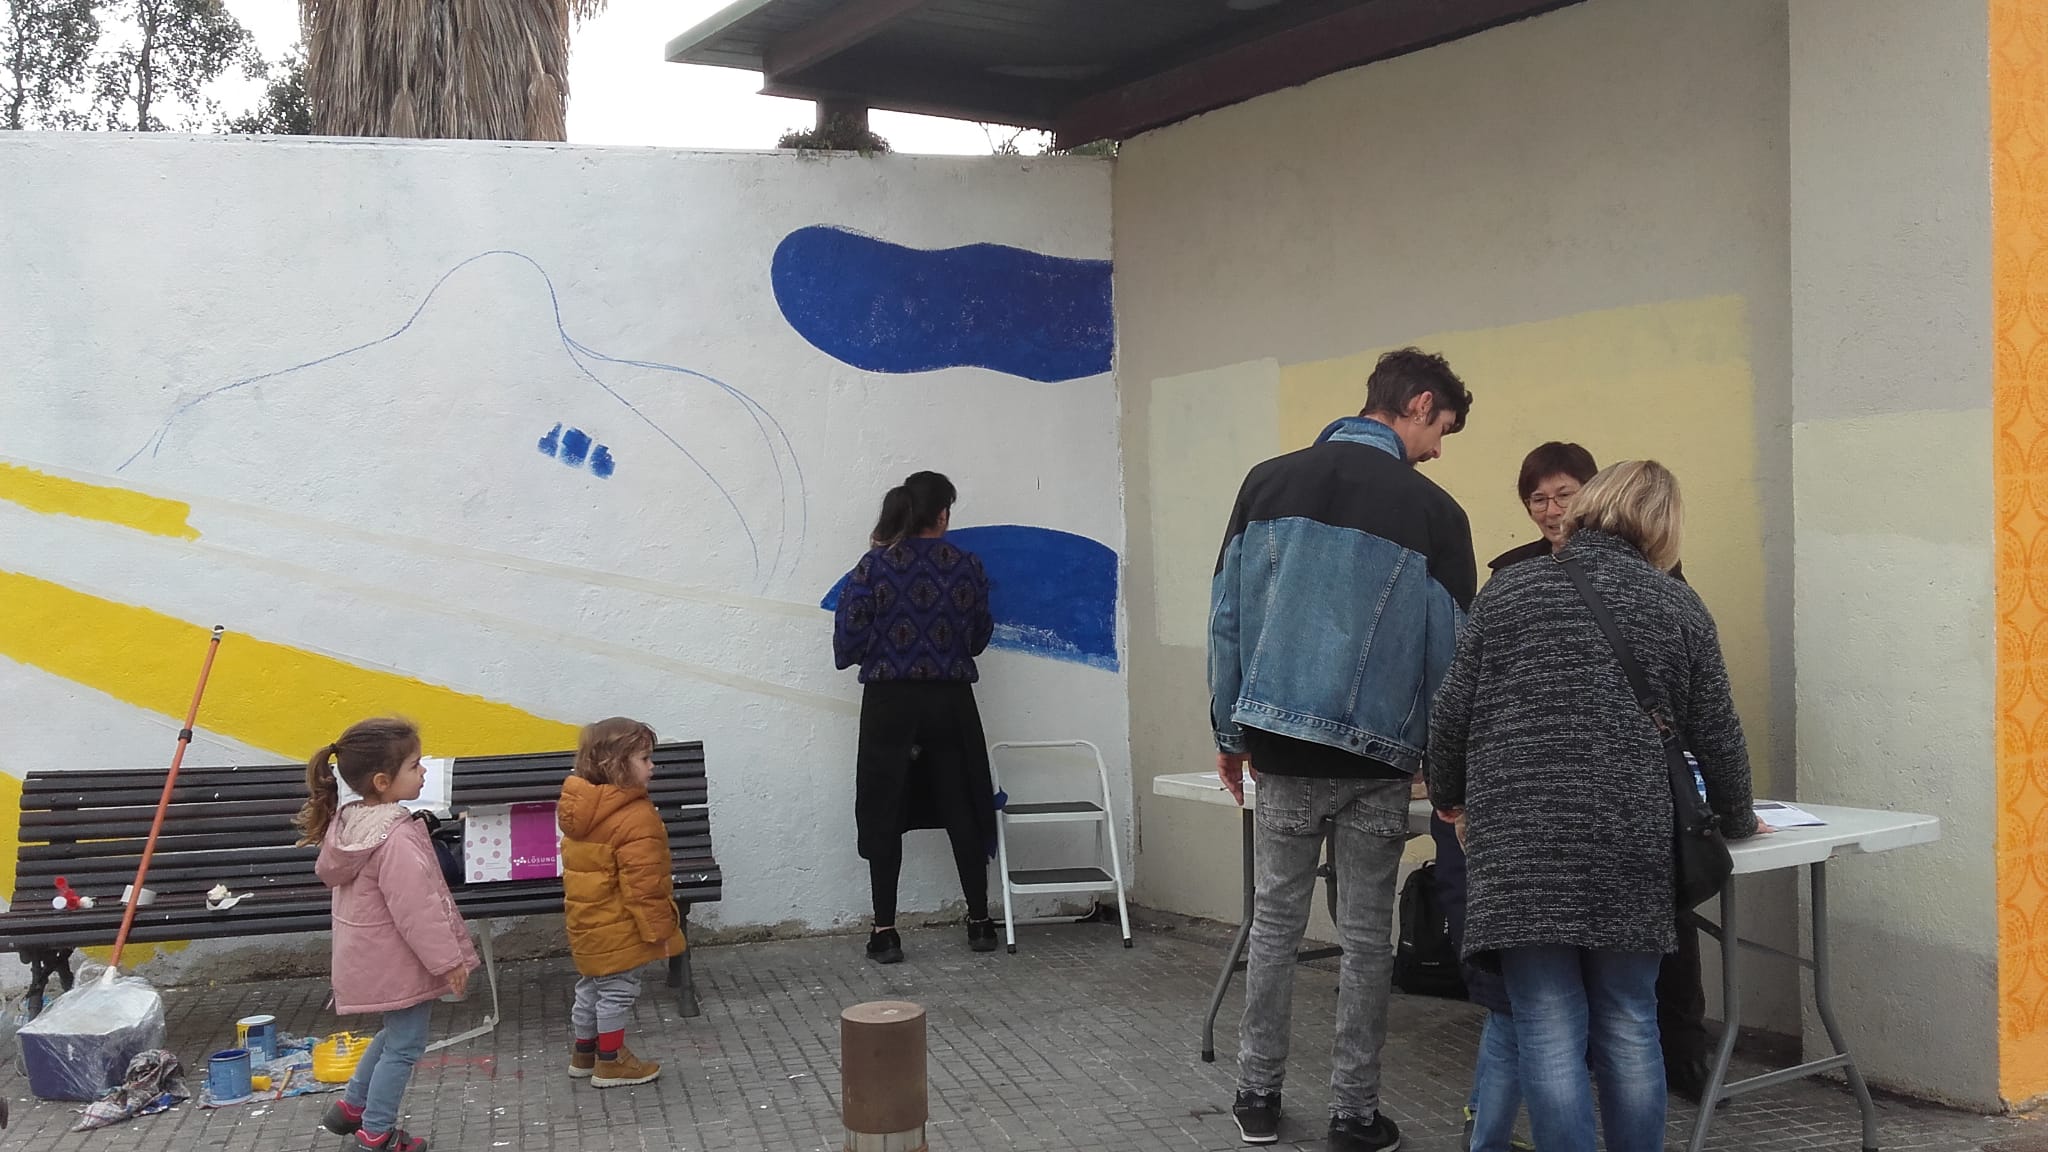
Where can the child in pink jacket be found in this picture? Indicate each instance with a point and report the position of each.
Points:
(399, 943)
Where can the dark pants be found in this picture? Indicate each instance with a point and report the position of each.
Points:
(1682, 1003)
(923, 763)
(884, 869)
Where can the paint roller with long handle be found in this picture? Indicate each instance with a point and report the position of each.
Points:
(156, 826)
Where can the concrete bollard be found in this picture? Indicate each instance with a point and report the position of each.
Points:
(881, 1076)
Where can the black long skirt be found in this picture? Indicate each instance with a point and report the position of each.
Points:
(923, 763)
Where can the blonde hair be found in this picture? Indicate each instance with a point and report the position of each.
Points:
(603, 749)
(1638, 501)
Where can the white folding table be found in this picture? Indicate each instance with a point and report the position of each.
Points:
(1207, 788)
(1848, 831)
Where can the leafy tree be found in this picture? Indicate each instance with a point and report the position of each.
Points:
(45, 48)
(836, 132)
(173, 49)
(285, 110)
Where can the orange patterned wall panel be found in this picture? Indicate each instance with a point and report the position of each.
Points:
(2019, 138)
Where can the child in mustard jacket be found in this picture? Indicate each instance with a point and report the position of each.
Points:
(618, 897)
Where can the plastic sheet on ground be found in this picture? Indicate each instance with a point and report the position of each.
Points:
(154, 1083)
(291, 1074)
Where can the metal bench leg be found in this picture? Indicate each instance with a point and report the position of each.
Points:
(1823, 1002)
(1237, 943)
(490, 1024)
(682, 976)
(44, 963)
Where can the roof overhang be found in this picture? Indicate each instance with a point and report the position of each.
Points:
(1084, 69)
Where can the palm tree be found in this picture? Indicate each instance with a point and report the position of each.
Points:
(478, 69)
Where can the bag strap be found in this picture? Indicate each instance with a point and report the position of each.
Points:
(1682, 792)
(1637, 682)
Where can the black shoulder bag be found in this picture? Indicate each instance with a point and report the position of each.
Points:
(1699, 855)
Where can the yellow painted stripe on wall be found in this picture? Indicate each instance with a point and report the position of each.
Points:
(2019, 400)
(58, 496)
(271, 696)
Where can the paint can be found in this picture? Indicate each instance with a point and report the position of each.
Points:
(227, 1075)
(259, 1035)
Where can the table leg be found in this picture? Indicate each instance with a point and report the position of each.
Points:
(1823, 1001)
(1730, 939)
(1244, 931)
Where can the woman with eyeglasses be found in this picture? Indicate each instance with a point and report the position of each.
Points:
(1537, 729)
(1551, 475)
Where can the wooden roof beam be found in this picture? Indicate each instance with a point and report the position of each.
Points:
(1282, 59)
(845, 26)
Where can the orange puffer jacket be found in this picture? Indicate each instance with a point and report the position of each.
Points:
(617, 894)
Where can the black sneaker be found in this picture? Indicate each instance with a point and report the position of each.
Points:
(1351, 1134)
(885, 947)
(1258, 1116)
(981, 935)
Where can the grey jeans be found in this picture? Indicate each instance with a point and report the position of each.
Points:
(603, 1003)
(1367, 822)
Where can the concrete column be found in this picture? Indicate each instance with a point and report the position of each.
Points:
(1893, 516)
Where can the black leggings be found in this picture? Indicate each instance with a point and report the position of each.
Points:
(968, 856)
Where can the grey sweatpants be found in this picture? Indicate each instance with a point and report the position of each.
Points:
(603, 1003)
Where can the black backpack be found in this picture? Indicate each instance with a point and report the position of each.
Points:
(1425, 963)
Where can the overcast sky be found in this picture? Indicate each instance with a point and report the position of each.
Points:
(622, 92)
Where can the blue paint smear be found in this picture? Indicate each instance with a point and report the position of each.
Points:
(885, 307)
(601, 463)
(551, 442)
(1053, 593)
(575, 447)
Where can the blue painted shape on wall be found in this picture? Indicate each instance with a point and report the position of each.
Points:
(886, 307)
(572, 446)
(575, 447)
(1052, 593)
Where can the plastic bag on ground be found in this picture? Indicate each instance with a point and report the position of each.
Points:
(80, 1046)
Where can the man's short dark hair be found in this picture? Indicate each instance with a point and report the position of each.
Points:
(1405, 373)
(1554, 459)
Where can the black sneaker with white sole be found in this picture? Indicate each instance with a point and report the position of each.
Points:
(1258, 1116)
(1351, 1134)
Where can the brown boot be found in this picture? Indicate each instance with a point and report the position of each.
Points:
(624, 1070)
(582, 1064)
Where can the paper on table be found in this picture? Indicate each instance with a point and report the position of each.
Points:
(436, 795)
(1779, 814)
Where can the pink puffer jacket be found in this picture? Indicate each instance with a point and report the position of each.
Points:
(397, 934)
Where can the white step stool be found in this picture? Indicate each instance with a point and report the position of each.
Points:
(1033, 881)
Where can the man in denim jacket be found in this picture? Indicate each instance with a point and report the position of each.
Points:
(1335, 610)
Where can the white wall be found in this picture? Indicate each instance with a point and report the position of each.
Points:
(1891, 383)
(388, 507)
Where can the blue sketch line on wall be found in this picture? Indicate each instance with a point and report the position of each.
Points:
(573, 445)
(886, 307)
(1053, 593)
(763, 420)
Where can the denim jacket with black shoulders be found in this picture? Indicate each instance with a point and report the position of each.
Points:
(1337, 599)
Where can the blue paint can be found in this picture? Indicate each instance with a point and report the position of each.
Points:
(227, 1074)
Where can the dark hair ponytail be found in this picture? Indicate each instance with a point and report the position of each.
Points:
(322, 796)
(912, 508)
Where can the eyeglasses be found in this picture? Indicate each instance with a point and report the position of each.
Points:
(1542, 503)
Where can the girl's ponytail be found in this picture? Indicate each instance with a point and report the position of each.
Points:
(322, 796)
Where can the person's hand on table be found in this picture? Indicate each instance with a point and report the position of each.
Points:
(1230, 768)
(1763, 829)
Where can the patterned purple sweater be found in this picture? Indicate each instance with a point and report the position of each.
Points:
(917, 610)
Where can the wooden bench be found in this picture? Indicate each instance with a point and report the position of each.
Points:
(232, 825)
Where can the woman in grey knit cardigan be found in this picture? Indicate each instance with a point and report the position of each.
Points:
(1536, 737)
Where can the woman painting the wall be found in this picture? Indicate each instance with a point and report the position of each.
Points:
(913, 615)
